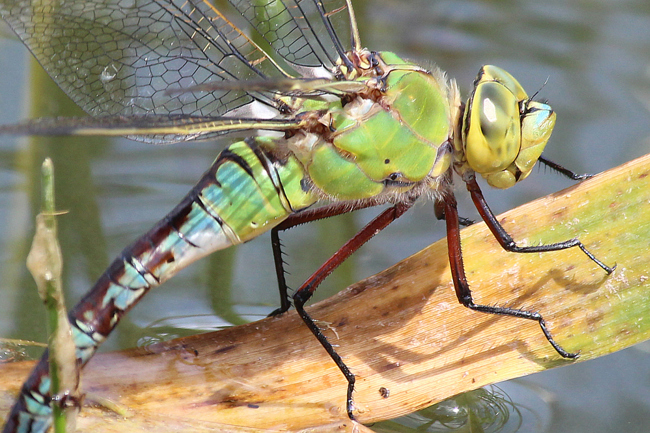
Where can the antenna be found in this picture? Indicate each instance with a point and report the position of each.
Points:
(540, 89)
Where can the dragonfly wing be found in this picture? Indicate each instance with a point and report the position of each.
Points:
(120, 57)
(149, 128)
(305, 33)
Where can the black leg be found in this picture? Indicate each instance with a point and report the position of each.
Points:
(506, 240)
(562, 170)
(276, 246)
(305, 292)
(463, 292)
(296, 220)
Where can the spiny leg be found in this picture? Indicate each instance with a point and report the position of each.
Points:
(463, 292)
(506, 241)
(563, 170)
(276, 246)
(296, 220)
(307, 289)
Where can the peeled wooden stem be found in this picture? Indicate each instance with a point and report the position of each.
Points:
(403, 329)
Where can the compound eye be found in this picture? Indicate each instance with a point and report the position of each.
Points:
(504, 132)
(493, 128)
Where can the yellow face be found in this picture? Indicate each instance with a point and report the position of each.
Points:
(504, 132)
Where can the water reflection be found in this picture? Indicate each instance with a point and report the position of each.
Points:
(485, 410)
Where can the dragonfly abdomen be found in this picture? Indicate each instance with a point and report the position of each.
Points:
(246, 192)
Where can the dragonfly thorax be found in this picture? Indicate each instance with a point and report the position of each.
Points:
(385, 140)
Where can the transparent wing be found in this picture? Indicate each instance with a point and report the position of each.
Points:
(305, 33)
(121, 57)
(149, 128)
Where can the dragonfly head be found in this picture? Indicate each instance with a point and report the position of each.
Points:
(504, 132)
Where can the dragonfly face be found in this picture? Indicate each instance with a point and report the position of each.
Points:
(504, 132)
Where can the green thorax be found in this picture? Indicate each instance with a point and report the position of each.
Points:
(385, 139)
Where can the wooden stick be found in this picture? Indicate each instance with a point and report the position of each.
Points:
(403, 329)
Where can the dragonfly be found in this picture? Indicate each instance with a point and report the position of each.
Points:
(330, 128)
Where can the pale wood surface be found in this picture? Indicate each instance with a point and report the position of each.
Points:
(402, 329)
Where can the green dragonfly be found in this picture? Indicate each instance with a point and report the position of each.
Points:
(332, 129)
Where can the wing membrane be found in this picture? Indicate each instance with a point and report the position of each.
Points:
(303, 32)
(119, 57)
(302, 88)
(165, 128)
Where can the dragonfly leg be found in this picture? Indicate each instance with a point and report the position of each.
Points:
(439, 209)
(276, 246)
(295, 220)
(463, 292)
(307, 289)
(506, 240)
(563, 170)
